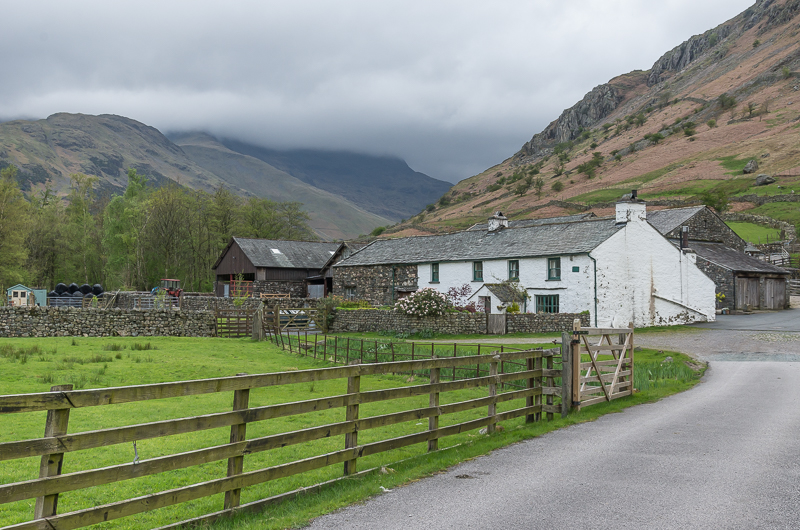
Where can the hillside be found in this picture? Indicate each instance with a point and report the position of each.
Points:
(332, 216)
(679, 132)
(383, 185)
(48, 151)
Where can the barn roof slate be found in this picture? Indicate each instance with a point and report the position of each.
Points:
(290, 255)
(666, 221)
(544, 240)
(505, 293)
(732, 259)
(524, 223)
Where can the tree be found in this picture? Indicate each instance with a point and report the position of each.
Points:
(14, 211)
(538, 185)
(82, 231)
(716, 199)
(47, 253)
(125, 218)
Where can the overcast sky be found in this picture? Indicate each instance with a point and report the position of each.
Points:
(453, 87)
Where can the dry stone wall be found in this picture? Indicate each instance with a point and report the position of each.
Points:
(378, 284)
(67, 321)
(366, 320)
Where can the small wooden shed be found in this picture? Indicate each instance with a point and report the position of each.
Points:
(22, 296)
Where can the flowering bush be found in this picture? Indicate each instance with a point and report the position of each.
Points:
(426, 302)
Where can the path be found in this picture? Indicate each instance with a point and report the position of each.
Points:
(722, 455)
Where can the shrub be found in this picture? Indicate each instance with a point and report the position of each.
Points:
(711, 123)
(493, 187)
(557, 186)
(378, 231)
(444, 201)
(725, 101)
(756, 43)
(593, 145)
(430, 207)
(426, 302)
(786, 72)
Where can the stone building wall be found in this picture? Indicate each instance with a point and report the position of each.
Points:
(372, 320)
(707, 226)
(378, 284)
(294, 288)
(723, 279)
(64, 321)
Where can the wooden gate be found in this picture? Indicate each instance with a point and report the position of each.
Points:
(608, 372)
(234, 323)
(496, 324)
(747, 292)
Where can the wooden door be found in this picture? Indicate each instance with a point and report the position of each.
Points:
(496, 324)
(747, 292)
(774, 293)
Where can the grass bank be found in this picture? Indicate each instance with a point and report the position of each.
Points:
(33, 365)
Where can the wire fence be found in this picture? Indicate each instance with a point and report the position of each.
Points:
(347, 350)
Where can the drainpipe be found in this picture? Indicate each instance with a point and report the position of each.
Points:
(594, 261)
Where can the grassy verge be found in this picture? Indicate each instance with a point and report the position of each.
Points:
(754, 233)
(33, 365)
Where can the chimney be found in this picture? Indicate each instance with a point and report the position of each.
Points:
(497, 221)
(684, 237)
(631, 209)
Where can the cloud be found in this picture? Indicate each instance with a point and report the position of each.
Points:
(451, 87)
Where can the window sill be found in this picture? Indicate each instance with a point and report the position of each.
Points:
(477, 281)
(553, 280)
(433, 282)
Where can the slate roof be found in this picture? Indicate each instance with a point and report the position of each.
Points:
(666, 221)
(505, 293)
(734, 260)
(293, 254)
(545, 240)
(524, 223)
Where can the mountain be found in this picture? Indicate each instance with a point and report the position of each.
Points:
(681, 132)
(332, 216)
(48, 151)
(383, 185)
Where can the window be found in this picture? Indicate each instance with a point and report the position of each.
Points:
(435, 272)
(547, 303)
(350, 293)
(477, 271)
(554, 268)
(513, 269)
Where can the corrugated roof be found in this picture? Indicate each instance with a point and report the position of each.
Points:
(290, 255)
(524, 223)
(544, 240)
(732, 259)
(666, 221)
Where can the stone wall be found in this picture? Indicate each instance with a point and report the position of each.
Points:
(295, 289)
(212, 303)
(723, 279)
(378, 284)
(366, 320)
(63, 321)
(544, 322)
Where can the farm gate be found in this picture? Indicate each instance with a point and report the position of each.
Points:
(600, 379)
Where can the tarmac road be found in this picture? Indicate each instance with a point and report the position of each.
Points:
(722, 455)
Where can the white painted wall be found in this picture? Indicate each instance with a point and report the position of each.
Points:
(644, 279)
(575, 289)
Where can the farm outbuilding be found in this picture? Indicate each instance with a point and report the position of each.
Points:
(22, 296)
(273, 266)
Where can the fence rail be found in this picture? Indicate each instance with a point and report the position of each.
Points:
(57, 445)
(794, 287)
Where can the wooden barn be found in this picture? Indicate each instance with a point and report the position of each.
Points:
(271, 266)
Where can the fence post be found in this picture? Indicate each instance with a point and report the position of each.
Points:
(550, 383)
(433, 421)
(537, 365)
(50, 466)
(529, 401)
(492, 393)
(575, 345)
(241, 400)
(351, 439)
(566, 374)
(630, 352)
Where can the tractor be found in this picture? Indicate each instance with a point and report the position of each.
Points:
(170, 286)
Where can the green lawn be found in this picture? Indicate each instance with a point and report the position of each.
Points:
(33, 365)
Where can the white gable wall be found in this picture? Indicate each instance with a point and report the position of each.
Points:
(644, 279)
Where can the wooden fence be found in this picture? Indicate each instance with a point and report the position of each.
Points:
(54, 448)
(794, 287)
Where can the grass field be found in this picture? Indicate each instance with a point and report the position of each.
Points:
(754, 233)
(33, 365)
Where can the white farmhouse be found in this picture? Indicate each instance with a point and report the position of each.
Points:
(618, 269)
